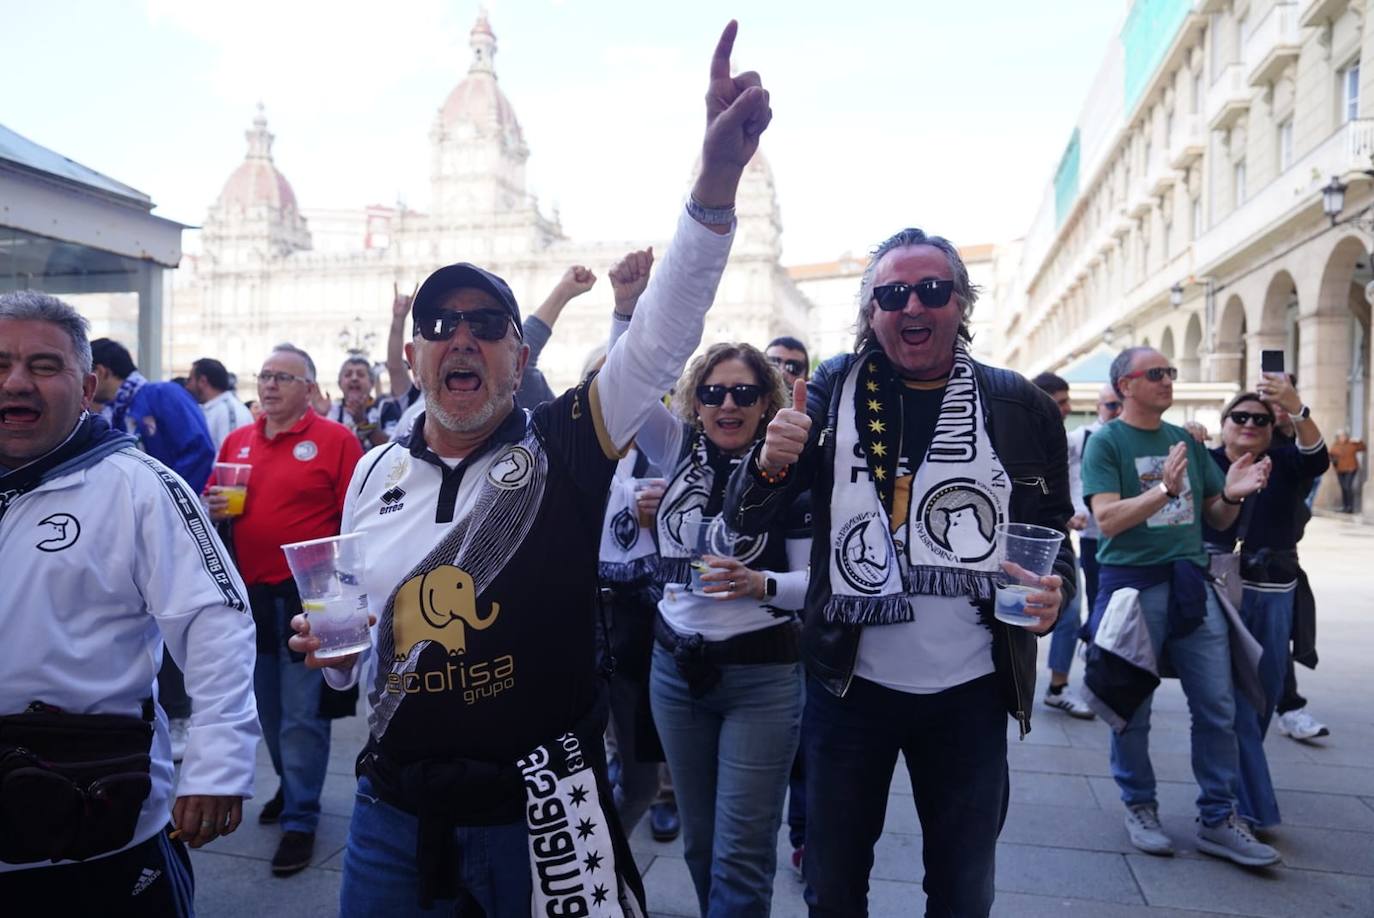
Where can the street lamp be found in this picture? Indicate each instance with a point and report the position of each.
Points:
(1176, 295)
(1333, 198)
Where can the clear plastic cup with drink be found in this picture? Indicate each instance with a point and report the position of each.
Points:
(1025, 553)
(329, 576)
(706, 537)
(231, 481)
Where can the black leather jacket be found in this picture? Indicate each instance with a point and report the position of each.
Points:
(1027, 433)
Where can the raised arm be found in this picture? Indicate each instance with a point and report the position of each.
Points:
(672, 311)
(397, 372)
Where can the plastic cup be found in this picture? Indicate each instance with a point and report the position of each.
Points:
(231, 480)
(707, 537)
(640, 485)
(329, 575)
(1025, 553)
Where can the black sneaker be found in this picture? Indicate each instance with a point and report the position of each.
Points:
(271, 810)
(664, 823)
(293, 853)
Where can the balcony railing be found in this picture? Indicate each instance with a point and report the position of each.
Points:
(1188, 143)
(1228, 98)
(1299, 187)
(1273, 44)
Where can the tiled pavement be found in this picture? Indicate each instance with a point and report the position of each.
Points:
(1063, 851)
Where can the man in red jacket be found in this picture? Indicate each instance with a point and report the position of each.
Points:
(301, 467)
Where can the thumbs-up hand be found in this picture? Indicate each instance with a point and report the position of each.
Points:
(787, 432)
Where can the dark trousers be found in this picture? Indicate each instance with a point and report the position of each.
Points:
(1347, 483)
(955, 747)
(149, 880)
(1088, 558)
(796, 797)
(1290, 700)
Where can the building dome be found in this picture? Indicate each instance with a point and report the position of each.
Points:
(257, 182)
(477, 103)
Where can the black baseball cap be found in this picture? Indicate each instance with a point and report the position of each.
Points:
(428, 300)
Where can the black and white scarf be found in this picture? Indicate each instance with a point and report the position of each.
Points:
(117, 410)
(627, 552)
(692, 497)
(946, 547)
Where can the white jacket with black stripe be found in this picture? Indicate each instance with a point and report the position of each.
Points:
(100, 566)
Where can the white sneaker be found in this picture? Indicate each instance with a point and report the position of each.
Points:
(1300, 725)
(1070, 704)
(1142, 825)
(177, 729)
(1234, 841)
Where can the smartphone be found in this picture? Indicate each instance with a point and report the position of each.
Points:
(1271, 361)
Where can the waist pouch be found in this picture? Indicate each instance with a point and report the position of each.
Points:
(699, 660)
(72, 786)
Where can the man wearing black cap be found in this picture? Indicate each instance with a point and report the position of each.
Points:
(483, 782)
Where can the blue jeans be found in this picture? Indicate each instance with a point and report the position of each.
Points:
(1202, 660)
(955, 746)
(1268, 615)
(380, 878)
(288, 696)
(1064, 638)
(730, 752)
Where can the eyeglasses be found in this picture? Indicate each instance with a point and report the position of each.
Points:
(1112, 406)
(1260, 419)
(788, 365)
(281, 379)
(743, 394)
(1154, 374)
(931, 291)
(485, 324)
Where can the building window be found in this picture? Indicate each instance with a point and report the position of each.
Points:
(1197, 93)
(1197, 218)
(1168, 238)
(1350, 92)
(1169, 128)
(1238, 181)
(1149, 156)
(1285, 144)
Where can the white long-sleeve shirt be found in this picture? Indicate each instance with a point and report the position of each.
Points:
(100, 569)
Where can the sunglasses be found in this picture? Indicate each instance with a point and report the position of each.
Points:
(1112, 406)
(1154, 374)
(1239, 418)
(930, 291)
(788, 365)
(485, 324)
(744, 395)
(280, 379)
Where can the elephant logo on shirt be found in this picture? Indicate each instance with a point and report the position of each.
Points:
(439, 605)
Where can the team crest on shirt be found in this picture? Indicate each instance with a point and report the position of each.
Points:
(398, 471)
(512, 470)
(305, 450)
(243, 452)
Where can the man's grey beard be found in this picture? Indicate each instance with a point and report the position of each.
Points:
(501, 396)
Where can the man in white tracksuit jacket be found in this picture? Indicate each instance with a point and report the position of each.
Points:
(105, 554)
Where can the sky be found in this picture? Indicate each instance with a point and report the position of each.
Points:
(887, 113)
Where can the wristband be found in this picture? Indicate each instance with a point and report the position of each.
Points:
(620, 316)
(1233, 503)
(714, 216)
(1167, 493)
(768, 477)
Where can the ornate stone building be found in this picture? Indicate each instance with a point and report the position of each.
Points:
(1194, 208)
(270, 270)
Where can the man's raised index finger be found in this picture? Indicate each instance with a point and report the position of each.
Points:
(720, 61)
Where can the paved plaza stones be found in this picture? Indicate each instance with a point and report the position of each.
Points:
(1064, 851)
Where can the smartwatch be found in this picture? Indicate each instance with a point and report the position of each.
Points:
(770, 587)
(1304, 413)
(1164, 489)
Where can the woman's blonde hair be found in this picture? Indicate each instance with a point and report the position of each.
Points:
(685, 393)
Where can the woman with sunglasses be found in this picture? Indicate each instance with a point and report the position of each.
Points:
(1267, 534)
(725, 681)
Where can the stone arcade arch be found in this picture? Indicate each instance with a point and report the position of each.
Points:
(1190, 362)
(1228, 358)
